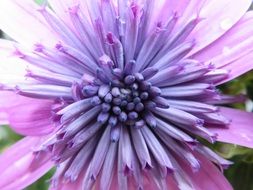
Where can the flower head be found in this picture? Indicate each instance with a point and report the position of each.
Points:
(118, 94)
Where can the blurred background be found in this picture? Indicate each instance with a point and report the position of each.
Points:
(240, 174)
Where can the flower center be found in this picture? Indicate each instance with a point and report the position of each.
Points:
(124, 99)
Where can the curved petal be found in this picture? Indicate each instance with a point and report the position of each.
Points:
(167, 8)
(61, 8)
(175, 6)
(12, 69)
(236, 36)
(61, 184)
(208, 177)
(238, 67)
(216, 21)
(27, 116)
(240, 130)
(58, 183)
(29, 27)
(233, 51)
(172, 183)
(20, 167)
(24, 120)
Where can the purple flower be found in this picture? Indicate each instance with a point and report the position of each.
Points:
(117, 94)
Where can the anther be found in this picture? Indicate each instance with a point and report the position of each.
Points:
(123, 117)
(116, 110)
(129, 79)
(116, 101)
(103, 90)
(130, 106)
(135, 86)
(106, 107)
(117, 83)
(139, 77)
(108, 98)
(139, 107)
(161, 102)
(155, 91)
(144, 96)
(129, 67)
(145, 85)
(150, 105)
(90, 90)
(118, 73)
(133, 115)
(102, 118)
(137, 100)
(115, 92)
(139, 124)
(125, 91)
(115, 134)
(124, 103)
(113, 121)
(136, 94)
(129, 98)
(150, 119)
(95, 101)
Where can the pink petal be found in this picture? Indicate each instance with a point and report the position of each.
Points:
(19, 166)
(12, 69)
(238, 67)
(62, 8)
(78, 184)
(236, 36)
(27, 116)
(29, 27)
(208, 177)
(216, 21)
(234, 50)
(185, 9)
(171, 183)
(64, 185)
(175, 6)
(240, 130)
(162, 10)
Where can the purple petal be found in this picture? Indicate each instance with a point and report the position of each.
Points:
(207, 177)
(211, 28)
(239, 131)
(27, 116)
(23, 13)
(141, 148)
(19, 170)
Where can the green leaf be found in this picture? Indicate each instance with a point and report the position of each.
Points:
(240, 175)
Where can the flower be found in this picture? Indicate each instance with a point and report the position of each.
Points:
(118, 94)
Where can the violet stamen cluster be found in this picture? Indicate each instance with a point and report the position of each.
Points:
(152, 97)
